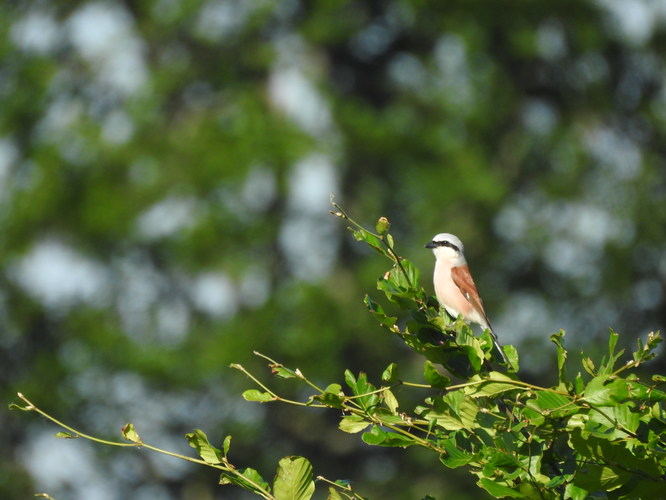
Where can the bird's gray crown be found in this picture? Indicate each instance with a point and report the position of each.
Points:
(446, 240)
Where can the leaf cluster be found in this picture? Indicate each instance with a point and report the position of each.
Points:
(600, 433)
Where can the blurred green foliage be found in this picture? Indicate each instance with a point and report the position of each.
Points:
(164, 176)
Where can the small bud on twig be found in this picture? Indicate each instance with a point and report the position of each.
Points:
(382, 226)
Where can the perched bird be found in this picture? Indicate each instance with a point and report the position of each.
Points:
(454, 286)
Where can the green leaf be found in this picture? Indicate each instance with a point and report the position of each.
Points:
(226, 444)
(618, 454)
(593, 477)
(249, 479)
(370, 239)
(377, 436)
(470, 345)
(512, 355)
(334, 388)
(433, 377)
(350, 380)
(284, 372)
(496, 383)
(66, 435)
(293, 480)
(199, 441)
(550, 403)
(252, 475)
(379, 314)
(613, 422)
(257, 395)
(390, 375)
(332, 396)
(607, 369)
(130, 434)
(401, 287)
(499, 490)
(412, 273)
(602, 391)
(452, 412)
(333, 494)
(558, 340)
(575, 492)
(353, 424)
(588, 366)
(361, 387)
(390, 401)
(454, 456)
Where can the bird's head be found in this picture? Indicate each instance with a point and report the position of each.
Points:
(447, 246)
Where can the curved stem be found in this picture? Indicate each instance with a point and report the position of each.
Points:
(223, 466)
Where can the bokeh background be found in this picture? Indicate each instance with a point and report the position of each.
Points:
(165, 172)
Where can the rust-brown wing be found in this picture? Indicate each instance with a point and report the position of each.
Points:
(463, 280)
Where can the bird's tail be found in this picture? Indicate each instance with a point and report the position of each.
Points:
(498, 345)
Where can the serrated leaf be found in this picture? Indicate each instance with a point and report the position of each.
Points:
(293, 480)
(353, 424)
(433, 377)
(257, 395)
(199, 441)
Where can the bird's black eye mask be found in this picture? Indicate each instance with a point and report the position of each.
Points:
(444, 243)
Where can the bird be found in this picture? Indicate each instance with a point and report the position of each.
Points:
(454, 285)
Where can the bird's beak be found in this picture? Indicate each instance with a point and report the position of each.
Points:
(430, 244)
